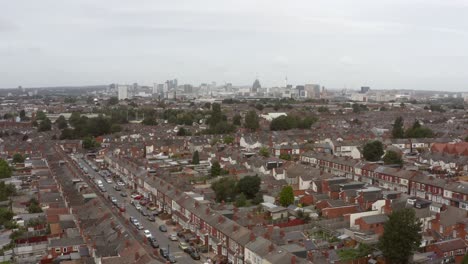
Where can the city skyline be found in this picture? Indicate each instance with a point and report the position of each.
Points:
(385, 45)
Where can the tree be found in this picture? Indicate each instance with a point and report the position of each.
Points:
(215, 169)
(249, 186)
(391, 157)
(224, 189)
(228, 139)
(401, 236)
(149, 121)
(18, 158)
(323, 109)
(286, 196)
(397, 131)
(34, 207)
(45, 125)
(113, 100)
(182, 132)
(5, 170)
(236, 120)
(418, 131)
(259, 106)
(196, 158)
(40, 115)
(61, 122)
(373, 151)
(75, 119)
(285, 156)
(90, 143)
(251, 120)
(241, 200)
(264, 152)
(22, 114)
(6, 190)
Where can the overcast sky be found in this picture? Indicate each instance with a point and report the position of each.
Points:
(394, 44)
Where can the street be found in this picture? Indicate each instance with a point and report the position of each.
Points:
(153, 227)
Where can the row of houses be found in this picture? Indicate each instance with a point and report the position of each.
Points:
(407, 181)
(221, 235)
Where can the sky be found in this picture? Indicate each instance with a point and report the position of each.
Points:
(385, 44)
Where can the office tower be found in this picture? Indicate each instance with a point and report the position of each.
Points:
(256, 86)
(365, 89)
(123, 92)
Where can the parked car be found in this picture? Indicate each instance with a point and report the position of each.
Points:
(136, 196)
(122, 207)
(123, 194)
(194, 255)
(171, 259)
(173, 237)
(162, 228)
(147, 233)
(184, 246)
(138, 207)
(153, 242)
(117, 188)
(109, 180)
(164, 252)
(143, 212)
(140, 226)
(151, 218)
(143, 202)
(120, 183)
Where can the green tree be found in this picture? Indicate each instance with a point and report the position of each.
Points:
(285, 156)
(45, 125)
(6, 190)
(418, 131)
(397, 131)
(286, 196)
(373, 151)
(391, 157)
(22, 115)
(251, 120)
(241, 200)
(40, 115)
(90, 143)
(323, 109)
(249, 186)
(113, 100)
(259, 106)
(18, 158)
(236, 120)
(149, 121)
(5, 170)
(183, 132)
(196, 158)
(75, 119)
(401, 236)
(228, 139)
(61, 122)
(5, 215)
(264, 152)
(215, 169)
(34, 206)
(224, 189)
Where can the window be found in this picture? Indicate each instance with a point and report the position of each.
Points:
(64, 250)
(57, 250)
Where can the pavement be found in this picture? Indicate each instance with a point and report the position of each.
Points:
(153, 227)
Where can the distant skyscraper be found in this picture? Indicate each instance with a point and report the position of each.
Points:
(256, 86)
(365, 89)
(313, 91)
(123, 92)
